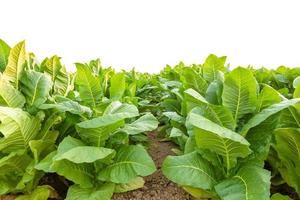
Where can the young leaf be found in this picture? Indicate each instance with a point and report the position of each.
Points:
(288, 149)
(4, 53)
(117, 86)
(36, 87)
(212, 65)
(75, 151)
(58, 74)
(239, 92)
(10, 96)
(15, 65)
(130, 162)
(145, 123)
(88, 85)
(18, 128)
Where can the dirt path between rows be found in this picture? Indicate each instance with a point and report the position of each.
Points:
(157, 187)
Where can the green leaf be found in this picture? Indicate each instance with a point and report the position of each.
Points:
(40, 193)
(15, 65)
(267, 112)
(117, 86)
(145, 123)
(81, 174)
(174, 116)
(250, 183)
(278, 196)
(218, 139)
(75, 151)
(58, 74)
(4, 53)
(192, 79)
(115, 112)
(288, 149)
(217, 114)
(18, 128)
(97, 130)
(103, 192)
(9, 96)
(68, 106)
(239, 92)
(130, 162)
(190, 170)
(36, 87)
(88, 85)
(211, 66)
(15, 163)
(133, 185)
(267, 97)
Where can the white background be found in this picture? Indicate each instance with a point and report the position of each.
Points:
(150, 34)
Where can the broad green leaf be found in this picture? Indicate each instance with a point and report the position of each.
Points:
(41, 148)
(217, 114)
(36, 87)
(4, 53)
(10, 96)
(88, 85)
(212, 65)
(175, 132)
(81, 174)
(58, 74)
(15, 163)
(68, 106)
(103, 192)
(288, 149)
(74, 150)
(174, 116)
(192, 99)
(117, 86)
(40, 193)
(115, 112)
(129, 163)
(133, 185)
(214, 92)
(267, 112)
(145, 123)
(190, 170)
(194, 80)
(15, 65)
(218, 139)
(45, 164)
(260, 137)
(250, 183)
(239, 92)
(18, 128)
(97, 130)
(267, 97)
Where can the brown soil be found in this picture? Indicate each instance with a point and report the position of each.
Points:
(157, 187)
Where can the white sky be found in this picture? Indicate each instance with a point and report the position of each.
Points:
(150, 34)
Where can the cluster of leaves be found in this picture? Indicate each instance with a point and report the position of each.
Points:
(238, 131)
(84, 126)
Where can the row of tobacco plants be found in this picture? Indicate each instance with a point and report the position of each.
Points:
(237, 130)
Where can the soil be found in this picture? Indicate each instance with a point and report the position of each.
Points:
(157, 187)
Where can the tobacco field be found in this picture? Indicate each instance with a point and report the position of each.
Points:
(86, 135)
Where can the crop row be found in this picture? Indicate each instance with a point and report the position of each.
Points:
(237, 130)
